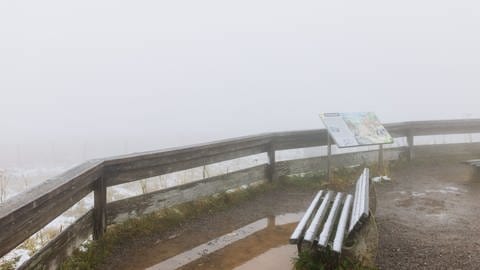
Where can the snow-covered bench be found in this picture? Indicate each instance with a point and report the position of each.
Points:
(332, 217)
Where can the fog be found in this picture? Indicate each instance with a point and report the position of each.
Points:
(85, 79)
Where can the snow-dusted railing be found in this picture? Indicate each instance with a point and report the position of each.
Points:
(27, 213)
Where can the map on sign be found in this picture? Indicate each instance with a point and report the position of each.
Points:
(356, 129)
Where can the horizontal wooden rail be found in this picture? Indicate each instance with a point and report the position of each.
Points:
(28, 212)
(121, 210)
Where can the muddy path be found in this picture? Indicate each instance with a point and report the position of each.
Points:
(428, 218)
(224, 239)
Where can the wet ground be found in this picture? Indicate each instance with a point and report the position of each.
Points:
(428, 218)
(251, 235)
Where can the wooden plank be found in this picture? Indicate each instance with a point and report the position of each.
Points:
(122, 210)
(119, 174)
(28, 212)
(361, 207)
(342, 225)
(319, 164)
(171, 155)
(317, 220)
(472, 162)
(300, 139)
(442, 151)
(61, 247)
(460, 126)
(331, 221)
(411, 145)
(271, 164)
(297, 235)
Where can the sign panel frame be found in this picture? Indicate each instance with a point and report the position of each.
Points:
(356, 129)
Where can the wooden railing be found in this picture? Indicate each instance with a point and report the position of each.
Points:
(27, 213)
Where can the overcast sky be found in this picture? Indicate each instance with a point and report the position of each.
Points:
(93, 78)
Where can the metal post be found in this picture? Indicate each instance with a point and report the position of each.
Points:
(381, 164)
(329, 157)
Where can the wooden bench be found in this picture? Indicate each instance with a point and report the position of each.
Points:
(332, 217)
(473, 162)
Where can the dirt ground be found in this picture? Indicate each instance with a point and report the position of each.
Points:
(428, 217)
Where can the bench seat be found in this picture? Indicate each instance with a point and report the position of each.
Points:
(332, 217)
(473, 162)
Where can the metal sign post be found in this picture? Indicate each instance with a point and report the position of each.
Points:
(329, 157)
(381, 164)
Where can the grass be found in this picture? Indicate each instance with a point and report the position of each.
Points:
(9, 264)
(343, 178)
(325, 260)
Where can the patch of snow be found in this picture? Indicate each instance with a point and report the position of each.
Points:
(119, 193)
(61, 222)
(22, 254)
(454, 189)
(377, 179)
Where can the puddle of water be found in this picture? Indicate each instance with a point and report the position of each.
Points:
(418, 194)
(444, 190)
(258, 245)
(279, 258)
(442, 218)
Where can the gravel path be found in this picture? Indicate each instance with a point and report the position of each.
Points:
(429, 217)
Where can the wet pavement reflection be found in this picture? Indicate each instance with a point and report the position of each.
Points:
(262, 244)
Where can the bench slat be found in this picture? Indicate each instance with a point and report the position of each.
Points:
(366, 195)
(356, 205)
(361, 200)
(295, 238)
(317, 219)
(342, 224)
(331, 220)
(473, 162)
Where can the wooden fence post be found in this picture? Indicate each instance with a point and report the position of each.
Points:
(99, 209)
(410, 143)
(272, 176)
